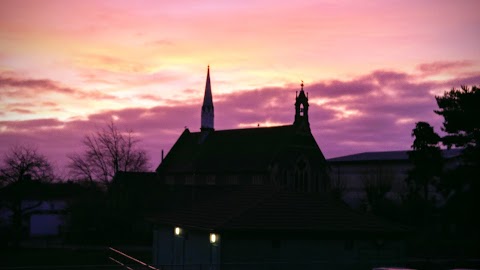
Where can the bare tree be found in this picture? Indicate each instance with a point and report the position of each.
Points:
(108, 151)
(22, 166)
(23, 161)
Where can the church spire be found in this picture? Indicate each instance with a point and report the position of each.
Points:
(301, 110)
(207, 107)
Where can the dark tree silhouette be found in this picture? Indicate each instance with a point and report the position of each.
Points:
(460, 109)
(21, 167)
(426, 158)
(24, 160)
(108, 151)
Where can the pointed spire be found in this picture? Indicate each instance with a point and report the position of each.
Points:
(207, 107)
(207, 98)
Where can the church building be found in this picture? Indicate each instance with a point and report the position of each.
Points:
(256, 198)
(286, 157)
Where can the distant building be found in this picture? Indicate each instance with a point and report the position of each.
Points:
(391, 167)
(42, 218)
(39, 209)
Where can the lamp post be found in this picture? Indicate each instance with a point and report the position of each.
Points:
(214, 249)
(179, 239)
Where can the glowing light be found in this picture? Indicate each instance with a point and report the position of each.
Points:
(178, 231)
(213, 238)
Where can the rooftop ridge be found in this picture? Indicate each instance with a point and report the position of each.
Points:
(389, 155)
(249, 128)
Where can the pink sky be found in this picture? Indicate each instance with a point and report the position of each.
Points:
(372, 68)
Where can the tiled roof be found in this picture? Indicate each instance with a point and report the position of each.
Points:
(388, 156)
(263, 209)
(237, 150)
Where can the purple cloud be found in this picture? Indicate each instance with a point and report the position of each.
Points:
(16, 86)
(373, 112)
(442, 66)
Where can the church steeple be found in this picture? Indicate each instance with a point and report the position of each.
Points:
(301, 110)
(207, 107)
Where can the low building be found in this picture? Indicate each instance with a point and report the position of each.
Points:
(35, 210)
(388, 168)
(256, 227)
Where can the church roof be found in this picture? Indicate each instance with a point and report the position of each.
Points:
(238, 150)
(258, 208)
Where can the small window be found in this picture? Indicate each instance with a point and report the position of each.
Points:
(211, 180)
(257, 180)
(232, 180)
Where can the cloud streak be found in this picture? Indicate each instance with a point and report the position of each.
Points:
(443, 66)
(24, 87)
(19, 87)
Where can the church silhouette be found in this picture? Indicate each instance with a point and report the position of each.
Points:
(286, 157)
(259, 198)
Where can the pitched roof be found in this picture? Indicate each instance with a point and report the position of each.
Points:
(262, 209)
(388, 156)
(237, 150)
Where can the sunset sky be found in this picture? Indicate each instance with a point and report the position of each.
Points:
(372, 68)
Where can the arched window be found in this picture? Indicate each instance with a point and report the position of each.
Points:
(302, 175)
